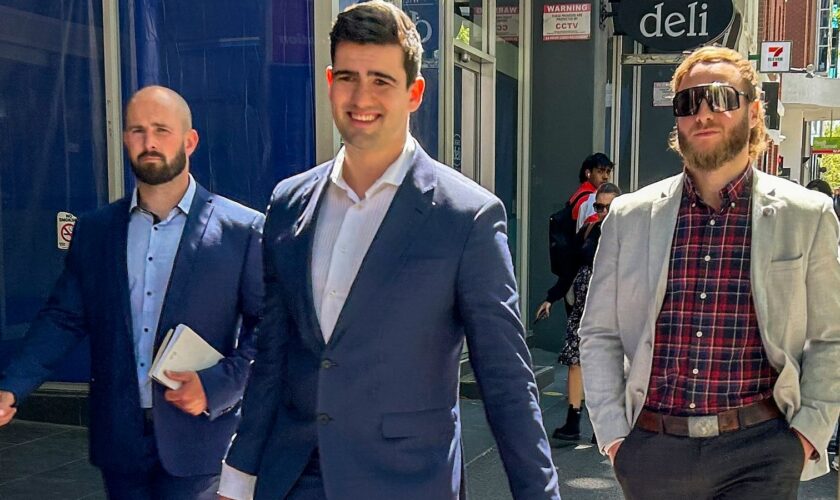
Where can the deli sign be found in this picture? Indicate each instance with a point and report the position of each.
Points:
(673, 25)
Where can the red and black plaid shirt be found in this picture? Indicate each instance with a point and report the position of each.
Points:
(707, 355)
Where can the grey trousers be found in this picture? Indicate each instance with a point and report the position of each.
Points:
(764, 461)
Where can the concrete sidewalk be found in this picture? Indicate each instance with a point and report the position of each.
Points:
(46, 461)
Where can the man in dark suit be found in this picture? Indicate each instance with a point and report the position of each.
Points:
(378, 265)
(169, 253)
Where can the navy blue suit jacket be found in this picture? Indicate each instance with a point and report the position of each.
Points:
(380, 401)
(215, 287)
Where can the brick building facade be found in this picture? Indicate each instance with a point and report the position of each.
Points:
(800, 26)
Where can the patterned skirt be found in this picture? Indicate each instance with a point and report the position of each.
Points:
(570, 354)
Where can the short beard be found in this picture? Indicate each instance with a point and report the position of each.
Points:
(712, 160)
(165, 172)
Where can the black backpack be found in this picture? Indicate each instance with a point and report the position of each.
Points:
(562, 247)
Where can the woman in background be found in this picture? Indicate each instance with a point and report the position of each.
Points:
(588, 237)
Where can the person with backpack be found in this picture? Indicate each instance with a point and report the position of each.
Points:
(587, 240)
(599, 173)
(595, 170)
(567, 249)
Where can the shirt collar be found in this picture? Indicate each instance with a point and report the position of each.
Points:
(183, 205)
(738, 188)
(393, 175)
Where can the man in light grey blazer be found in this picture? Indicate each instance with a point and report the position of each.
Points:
(719, 286)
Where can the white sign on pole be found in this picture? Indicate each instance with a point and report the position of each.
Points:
(775, 57)
(64, 224)
(662, 95)
(567, 21)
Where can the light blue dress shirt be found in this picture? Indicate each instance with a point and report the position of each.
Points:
(152, 245)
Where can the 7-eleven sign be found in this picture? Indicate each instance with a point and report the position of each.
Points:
(775, 57)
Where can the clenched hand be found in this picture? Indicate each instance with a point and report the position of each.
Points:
(190, 397)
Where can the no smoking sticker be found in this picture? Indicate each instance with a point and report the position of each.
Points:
(64, 223)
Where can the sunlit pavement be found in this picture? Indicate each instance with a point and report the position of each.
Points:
(45, 461)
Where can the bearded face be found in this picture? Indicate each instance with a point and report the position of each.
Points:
(153, 168)
(704, 152)
(715, 131)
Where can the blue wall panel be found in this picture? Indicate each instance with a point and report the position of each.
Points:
(52, 135)
(245, 68)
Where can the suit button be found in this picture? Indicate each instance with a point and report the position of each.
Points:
(323, 418)
(327, 364)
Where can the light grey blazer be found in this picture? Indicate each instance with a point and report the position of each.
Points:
(795, 273)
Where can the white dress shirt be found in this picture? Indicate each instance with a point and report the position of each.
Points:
(344, 231)
(346, 227)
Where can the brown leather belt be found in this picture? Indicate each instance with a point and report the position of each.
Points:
(710, 425)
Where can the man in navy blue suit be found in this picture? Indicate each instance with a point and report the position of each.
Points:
(169, 253)
(379, 264)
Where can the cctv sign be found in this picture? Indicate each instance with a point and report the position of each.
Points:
(775, 57)
(567, 21)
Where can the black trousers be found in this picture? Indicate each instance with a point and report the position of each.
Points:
(310, 484)
(764, 461)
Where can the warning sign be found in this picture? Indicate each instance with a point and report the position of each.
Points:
(775, 57)
(567, 21)
(64, 223)
(507, 23)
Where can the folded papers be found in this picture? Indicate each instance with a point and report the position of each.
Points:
(182, 350)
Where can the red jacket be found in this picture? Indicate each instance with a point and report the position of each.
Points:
(585, 187)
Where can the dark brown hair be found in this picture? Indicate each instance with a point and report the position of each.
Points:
(380, 23)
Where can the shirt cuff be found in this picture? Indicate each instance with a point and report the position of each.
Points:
(236, 484)
(815, 455)
(608, 446)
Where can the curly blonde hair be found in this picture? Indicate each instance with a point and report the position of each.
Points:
(749, 77)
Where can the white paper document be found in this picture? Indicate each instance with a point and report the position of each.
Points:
(182, 350)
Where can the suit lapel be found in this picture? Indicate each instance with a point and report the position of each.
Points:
(663, 213)
(118, 261)
(188, 248)
(410, 207)
(765, 207)
(304, 234)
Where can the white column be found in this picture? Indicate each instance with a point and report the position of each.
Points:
(791, 148)
(327, 138)
(113, 98)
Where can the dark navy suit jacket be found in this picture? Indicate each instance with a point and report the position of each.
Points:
(215, 288)
(380, 401)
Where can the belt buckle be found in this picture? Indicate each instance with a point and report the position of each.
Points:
(703, 427)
